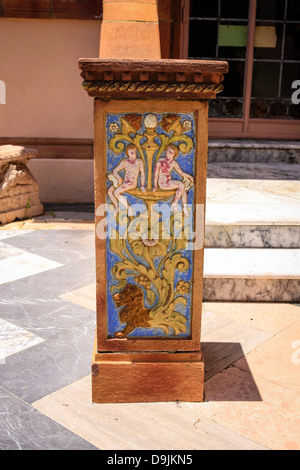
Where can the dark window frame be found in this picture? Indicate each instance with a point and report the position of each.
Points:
(246, 126)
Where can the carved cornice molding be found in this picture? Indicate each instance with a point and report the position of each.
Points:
(165, 79)
(155, 90)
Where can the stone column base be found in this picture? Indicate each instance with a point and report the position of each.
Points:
(147, 377)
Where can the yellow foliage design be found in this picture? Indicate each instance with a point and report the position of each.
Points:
(153, 263)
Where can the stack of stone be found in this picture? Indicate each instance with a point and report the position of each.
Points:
(19, 191)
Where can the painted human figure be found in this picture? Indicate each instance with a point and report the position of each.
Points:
(163, 179)
(133, 166)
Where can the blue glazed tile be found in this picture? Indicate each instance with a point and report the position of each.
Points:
(150, 162)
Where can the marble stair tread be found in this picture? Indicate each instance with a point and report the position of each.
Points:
(251, 275)
(254, 151)
(246, 201)
(258, 191)
(252, 213)
(258, 171)
(255, 235)
(252, 263)
(255, 144)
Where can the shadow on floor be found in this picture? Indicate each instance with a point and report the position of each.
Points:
(219, 357)
(65, 212)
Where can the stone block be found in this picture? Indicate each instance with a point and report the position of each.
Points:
(19, 191)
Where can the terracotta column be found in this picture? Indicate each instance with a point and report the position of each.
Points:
(150, 151)
(130, 30)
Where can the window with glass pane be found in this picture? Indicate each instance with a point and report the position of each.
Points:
(218, 30)
(276, 59)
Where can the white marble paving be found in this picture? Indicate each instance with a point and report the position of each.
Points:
(24, 265)
(14, 339)
(12, 233)
(258, 192)
(7, 251)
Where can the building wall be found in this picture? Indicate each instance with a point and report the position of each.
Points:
(46, 107)
(45, 100)
(38, 63)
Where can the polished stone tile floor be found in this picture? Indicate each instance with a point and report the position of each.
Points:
(47, 326)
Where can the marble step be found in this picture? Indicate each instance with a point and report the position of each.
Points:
(256, 275)
(254, 171)
(254, 151)
(252, 213)
(252, 236)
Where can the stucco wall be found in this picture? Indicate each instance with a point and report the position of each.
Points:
(38, 63)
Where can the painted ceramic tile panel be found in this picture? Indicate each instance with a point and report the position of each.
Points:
(150, 195)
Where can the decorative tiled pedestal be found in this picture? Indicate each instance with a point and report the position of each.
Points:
(19, 191)
(150, 180)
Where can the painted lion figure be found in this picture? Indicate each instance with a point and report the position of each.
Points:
(133, 311)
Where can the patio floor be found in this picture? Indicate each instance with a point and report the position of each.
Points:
(47, 326)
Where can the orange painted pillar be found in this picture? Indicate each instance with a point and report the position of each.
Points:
(130, 30)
